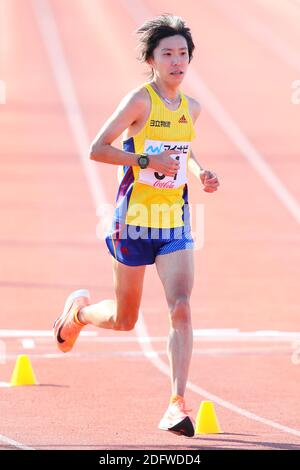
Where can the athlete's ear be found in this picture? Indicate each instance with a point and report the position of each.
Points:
(150, 61)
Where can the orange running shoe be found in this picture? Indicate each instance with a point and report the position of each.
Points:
(67, 327)
(177, 420)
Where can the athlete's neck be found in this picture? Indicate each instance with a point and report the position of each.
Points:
(167, 91)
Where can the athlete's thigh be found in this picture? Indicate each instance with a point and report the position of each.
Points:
(128, 283)
(176, 272)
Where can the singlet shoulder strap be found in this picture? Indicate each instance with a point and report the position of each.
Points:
(154, 96)
(184, 100)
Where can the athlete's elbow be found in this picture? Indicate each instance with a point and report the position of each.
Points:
(96, 152)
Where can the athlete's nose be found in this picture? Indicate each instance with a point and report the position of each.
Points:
(176, 60)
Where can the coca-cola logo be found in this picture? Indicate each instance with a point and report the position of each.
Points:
(164, 184)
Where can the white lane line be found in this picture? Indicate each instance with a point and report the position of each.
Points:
(213, 335)
(242, 143)
(11, 442)
(259, 32)
(65, 85)
(163, 367)
(230, 128)
(57, 59)
(37, 333)
(28, 343)
(264, 350)
(7, 43)
(252, 155)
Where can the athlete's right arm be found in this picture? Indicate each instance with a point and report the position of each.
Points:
(130, 110)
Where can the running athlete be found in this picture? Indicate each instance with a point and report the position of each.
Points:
(151, 220)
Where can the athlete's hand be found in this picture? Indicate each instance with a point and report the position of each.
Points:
(209, 180)
(164, 163)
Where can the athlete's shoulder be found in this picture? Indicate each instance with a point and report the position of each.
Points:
(194, 107)
(138, 97)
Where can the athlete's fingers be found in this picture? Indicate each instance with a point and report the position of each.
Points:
(208, 175)
(214, 186)
(212, 181)
(209, 189)
(172, 152)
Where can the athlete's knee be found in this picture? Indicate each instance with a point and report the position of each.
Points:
(180, 311)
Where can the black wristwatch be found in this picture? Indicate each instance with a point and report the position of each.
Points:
(143, 161)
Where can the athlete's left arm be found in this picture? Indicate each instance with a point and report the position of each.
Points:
(208, 178)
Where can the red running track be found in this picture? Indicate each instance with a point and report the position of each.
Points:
(108, 393)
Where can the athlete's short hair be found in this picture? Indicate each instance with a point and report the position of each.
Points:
(152, 31)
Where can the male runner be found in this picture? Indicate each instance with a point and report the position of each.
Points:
(151, 221)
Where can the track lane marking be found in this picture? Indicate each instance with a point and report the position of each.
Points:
(55, 51)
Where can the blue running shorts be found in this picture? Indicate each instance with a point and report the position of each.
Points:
(137, 246)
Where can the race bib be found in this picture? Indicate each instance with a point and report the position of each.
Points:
(159, 180)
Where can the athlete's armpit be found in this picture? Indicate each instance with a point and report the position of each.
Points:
(194, 108)
(128, 112)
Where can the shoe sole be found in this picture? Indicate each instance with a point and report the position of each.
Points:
(68, 305)
(183, 428)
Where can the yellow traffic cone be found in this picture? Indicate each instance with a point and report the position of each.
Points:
(23, 373)
(207, 421)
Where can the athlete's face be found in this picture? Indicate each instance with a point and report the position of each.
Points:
(170, 59)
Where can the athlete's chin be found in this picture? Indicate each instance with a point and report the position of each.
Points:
(177, 78)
